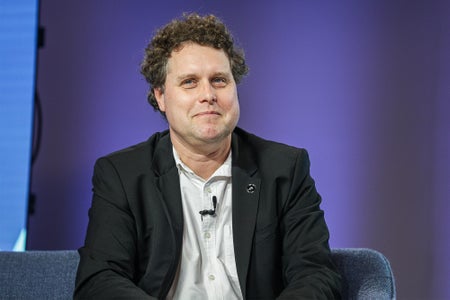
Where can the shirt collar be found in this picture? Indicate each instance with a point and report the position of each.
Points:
(224, 170)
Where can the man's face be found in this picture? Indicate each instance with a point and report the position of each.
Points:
(200, 96)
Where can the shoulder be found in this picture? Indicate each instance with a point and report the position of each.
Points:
(266, 150)
(137, 156)
(273, 160)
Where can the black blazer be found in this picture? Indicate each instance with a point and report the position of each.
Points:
(134, 238)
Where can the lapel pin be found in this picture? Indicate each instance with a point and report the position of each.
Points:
(251, 188)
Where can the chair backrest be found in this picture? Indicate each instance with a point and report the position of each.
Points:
(367, 274)
(51, 274)
(38, 274)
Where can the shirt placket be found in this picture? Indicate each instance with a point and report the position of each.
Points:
(209, 242)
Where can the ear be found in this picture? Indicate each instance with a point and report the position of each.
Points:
(159, 95)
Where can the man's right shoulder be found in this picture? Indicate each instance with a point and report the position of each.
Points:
(140, 153)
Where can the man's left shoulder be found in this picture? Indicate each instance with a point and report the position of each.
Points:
(267, 151)
(266, 146)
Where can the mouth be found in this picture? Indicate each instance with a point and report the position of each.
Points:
(208, 113)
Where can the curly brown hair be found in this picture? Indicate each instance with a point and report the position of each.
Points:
(206, 31)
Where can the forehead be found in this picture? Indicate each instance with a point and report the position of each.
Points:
(191, 57)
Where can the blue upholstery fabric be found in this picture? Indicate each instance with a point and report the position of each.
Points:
(51, 274)
(38, 274)
(367, 274)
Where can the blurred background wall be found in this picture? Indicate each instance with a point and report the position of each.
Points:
(363, 85)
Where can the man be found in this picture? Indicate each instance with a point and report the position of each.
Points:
(204, 210)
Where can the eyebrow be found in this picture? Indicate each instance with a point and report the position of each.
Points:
(184, 76)
(193, 75)
(222, 74)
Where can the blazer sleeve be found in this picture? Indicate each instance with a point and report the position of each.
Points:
(107, 260)
(308, 271)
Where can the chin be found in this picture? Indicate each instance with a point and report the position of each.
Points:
(214, 135)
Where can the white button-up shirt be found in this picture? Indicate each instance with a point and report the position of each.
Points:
(208, 267)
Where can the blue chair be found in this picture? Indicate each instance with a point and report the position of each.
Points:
(51, 274)
(367, 274)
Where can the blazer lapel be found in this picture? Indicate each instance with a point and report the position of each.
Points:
(168, 183)
(246, 187)
(169, 187)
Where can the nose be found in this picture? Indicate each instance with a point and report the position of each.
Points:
(208, 93)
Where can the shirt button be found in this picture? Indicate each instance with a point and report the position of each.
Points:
(207, 235)
(211, 277)
(208, 189)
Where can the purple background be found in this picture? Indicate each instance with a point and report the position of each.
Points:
(363, 85)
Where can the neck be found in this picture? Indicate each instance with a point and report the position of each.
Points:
(204, 160)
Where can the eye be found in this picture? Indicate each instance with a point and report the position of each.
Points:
(189, 83)
(219, 81)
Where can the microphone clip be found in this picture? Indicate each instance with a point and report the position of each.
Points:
(210, 212)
